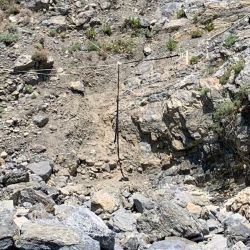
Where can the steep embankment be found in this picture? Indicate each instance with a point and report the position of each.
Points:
(184, 124)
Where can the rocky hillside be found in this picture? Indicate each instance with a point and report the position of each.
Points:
(184, 124)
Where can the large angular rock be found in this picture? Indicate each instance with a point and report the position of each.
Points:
(7, 225)
(24, 62)
(83, 221)
(104, 201)
(13, 176)
(123, 221)
(174, 243)
(35, 236)
(77, 87)
(142, 203)
(237, 228)
(42, 169)
(170, 219)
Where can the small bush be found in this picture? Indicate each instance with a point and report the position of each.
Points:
(196, 33)
(40, 56)
(180, 14)
(106, 29)
(230, 40)
(236, 67)
(204, 91)
(171, 44)
(224, 109)
(211, 70)
(53, 32)
(91, 33)
(8, 38)
(75, 47)
(132, 22)
(28, 89)
(243, 93)
(121, 46)
(210, 26)
(94, 46)
(225, 77)
(194, 60)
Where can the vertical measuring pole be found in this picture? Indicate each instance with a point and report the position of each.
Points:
(117, 129)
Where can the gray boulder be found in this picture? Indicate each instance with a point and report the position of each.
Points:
(175, 243)
(35, 236)
(237, 228)
(170, 219)
(24, 62)
(142, 203)
(83, 221)
(13, 176)
(123, 221)
(42, 169)
(7, 225)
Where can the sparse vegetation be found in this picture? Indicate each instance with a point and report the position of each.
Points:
(91, 33)
(133, 23)
(171, 44)
(75, 47)
(53, 32)
(180, 14)
(236, 68)
(211, 70)
(1, 111)
(204, 91)
(93, 46)
(230, 40)
(121, 46)
(28, 89)
(196, 33)
(209, 26)
(224, 109)
(194, 60)
(107, 29)
(8, 38)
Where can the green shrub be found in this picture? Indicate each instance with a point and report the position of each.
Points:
(196, 33)
(91, 33)
(75, 47)
(243, 93)
(106, 29)
(236, 67)
(53, 32)
(171, 44)
(93, 46)
(210, 26)
(211, 70)
(8, 38)
(132, 22)
(224, 109)
(121, 46)
(194, 60)
(225, 77)
(180, 14)
(28, 89)
(204, 91)
(230, 40)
